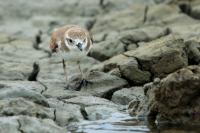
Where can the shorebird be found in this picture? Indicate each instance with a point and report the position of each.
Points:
(72, 39)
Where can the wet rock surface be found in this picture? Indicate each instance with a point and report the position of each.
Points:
(145, 62)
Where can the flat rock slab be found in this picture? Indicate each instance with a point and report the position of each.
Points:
(95, 108)
(19, 124)
(102, 84)
(15, 90)
(126, 95)
(21, 106)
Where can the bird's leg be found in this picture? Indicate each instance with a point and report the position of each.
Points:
(66, 74)
(83, 82)
(64, 69)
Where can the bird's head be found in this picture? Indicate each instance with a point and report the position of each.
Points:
(76, 39)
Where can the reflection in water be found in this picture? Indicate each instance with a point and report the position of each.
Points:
(123, 123)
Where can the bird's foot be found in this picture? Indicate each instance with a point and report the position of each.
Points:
(82, 83)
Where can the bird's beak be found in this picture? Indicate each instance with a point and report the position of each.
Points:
(79, 45)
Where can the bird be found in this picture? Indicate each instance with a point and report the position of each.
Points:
(71, 39)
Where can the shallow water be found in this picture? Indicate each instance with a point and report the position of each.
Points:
(123, 123)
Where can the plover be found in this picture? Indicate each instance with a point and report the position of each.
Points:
(69, 39)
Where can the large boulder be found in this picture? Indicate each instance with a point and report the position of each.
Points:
(162, 56)
(175, 99)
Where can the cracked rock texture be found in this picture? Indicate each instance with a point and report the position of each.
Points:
(146, 56)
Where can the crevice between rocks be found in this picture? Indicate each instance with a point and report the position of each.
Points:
(145, 13)
(33, 75)
(45, 87)
(108, 95)
(38, 41)
(19, 127)
(54, 113)
(83, 112)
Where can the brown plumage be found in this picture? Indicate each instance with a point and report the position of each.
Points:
(58, 38)
(71, 38)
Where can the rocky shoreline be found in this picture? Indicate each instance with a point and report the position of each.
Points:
(145, 61)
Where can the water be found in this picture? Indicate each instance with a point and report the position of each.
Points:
(123, 123)
(117, 123)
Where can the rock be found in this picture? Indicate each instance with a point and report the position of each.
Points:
(132, 47)
(143, 34)
(34, 125)
(9, 125)
(193, 51)
(158, 13)
(115, 72)
(127, 68)
(124, 96)
(95, 108)
(175, 98)
(195, 12)
(154, 56)
(117, 44)
(7, 92)
(100, 112)
(18, 124)
(4, 38)
(115, 62)
(102, 84)
(134, 75)
(111, 21)
(11, 75)
(58, 90)
(15, 71)
(65, 113)
(90, 101)
(52, 68)
(29, 85)
(106, 49)
(20, 106)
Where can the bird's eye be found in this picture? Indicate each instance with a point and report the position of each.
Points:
(70, 40)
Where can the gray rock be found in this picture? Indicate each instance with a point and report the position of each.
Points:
(111, 21)
(58, 90)
(128, 68)
(94, 107)
(103, 84)
(100, 112)
(9, 125)
(106, 49)
(126, 95)
(175, 98)
(142, 34)
(134, 75)
(4, 38)
(90, 101)
(34, 125)
(115, 62)
(154, 56)
(21, 106)
(26, 92)
(65, 113)
(193, 51)
(18, 124)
